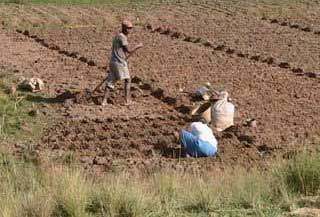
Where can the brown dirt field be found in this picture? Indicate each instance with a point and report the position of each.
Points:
(301, 12)
(284, 103)
(258, 37)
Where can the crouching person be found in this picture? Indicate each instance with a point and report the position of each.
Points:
(198, 140)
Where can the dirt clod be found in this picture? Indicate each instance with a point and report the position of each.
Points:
(284, 65)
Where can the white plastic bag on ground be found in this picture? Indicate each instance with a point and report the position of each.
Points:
(204, 91)
(222, 113)
(32, 84)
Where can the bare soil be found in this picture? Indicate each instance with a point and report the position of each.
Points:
(270, 71)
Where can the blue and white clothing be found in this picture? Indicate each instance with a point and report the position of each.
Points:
(199, 140)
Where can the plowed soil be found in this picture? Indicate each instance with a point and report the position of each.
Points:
(175, 61)
(247, 34)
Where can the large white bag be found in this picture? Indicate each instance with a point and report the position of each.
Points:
(222, 113)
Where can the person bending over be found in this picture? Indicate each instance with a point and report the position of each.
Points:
(198, 140)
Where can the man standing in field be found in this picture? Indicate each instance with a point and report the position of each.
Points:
(118, 67)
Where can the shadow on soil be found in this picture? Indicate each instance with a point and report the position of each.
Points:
(76, 97)
(41, 99)
(169, 152)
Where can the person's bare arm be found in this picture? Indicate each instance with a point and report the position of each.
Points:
(131, 51)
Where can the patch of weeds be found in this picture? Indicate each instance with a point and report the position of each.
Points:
(302, 174)
(96, 206)
(5, 160)
(60, 210)
(29, 154)
(19, 118)
(68, 158)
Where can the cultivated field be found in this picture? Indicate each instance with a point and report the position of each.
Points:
(61, 154)
(267, 60)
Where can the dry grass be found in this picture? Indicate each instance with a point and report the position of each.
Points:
(28, 190)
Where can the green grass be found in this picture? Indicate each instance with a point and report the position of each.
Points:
(60, 191)
(302, 175)
(16, 119)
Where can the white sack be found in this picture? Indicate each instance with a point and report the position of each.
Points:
(222, 113)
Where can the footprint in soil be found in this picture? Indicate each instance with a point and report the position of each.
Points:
(97, 100)
(176, 35)
(237, 132)
(67, 94)
(136, 80)
(170, 100)
(83, 59)
(274, 21)
(189, 39)
(220, 47)
(306, 29)
(54, 47)
(246, 139)
(73, 54)
(158, 93)
(26, 33)
(146, 87)
(163, 146)
(197, 40)
(39, 40)
(294, 26)
(230, 51)
(45, 44)
(240, 54)
(264, 149)
(183, 109)
(166, 32)
(208, 44)
(228, 135)
(269, 60)
(149, 26)
(159, 29)
(92, 63)
(297, 70)
(312, 74)
(284, 65)
(256, 58)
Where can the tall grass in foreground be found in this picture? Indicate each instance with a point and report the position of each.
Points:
(59, 191)
(302, 174)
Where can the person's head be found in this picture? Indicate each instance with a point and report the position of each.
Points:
(126, 27)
